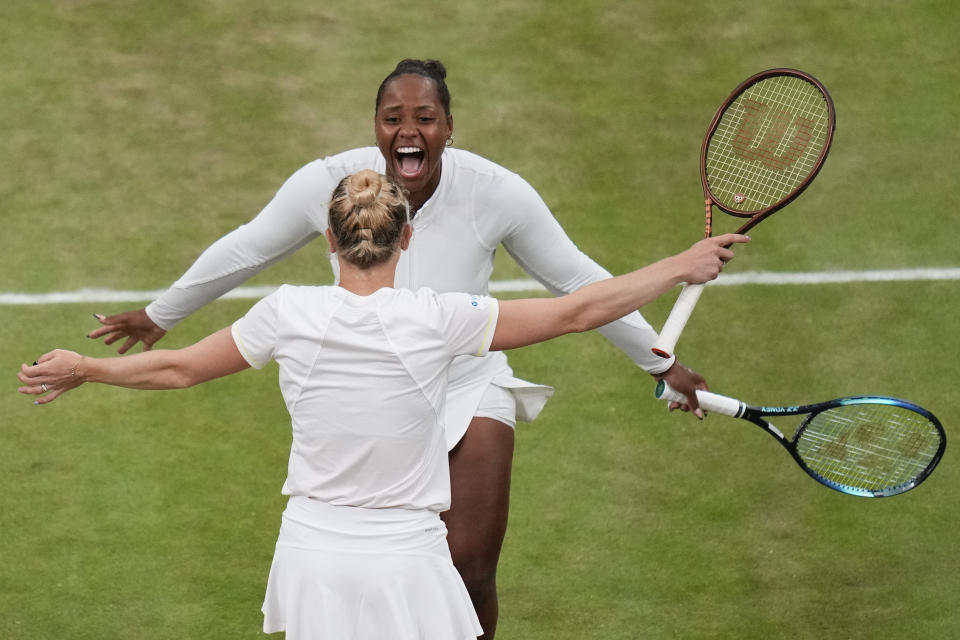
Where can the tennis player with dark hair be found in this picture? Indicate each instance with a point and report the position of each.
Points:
(362, 552)
(463, 207)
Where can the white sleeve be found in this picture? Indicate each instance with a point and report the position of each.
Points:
(468, 322)
(540, 245)
(255, 334)
(296, 215)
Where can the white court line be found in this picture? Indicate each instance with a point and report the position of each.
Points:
(833, 277)
(515, 286)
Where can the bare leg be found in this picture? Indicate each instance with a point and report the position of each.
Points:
(477, 520)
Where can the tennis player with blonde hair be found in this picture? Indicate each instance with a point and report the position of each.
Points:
(363, 369)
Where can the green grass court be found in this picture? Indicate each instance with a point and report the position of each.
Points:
(137, 133)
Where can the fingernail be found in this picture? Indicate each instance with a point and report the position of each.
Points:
(36, 403)
(99, 317)
(698, 413)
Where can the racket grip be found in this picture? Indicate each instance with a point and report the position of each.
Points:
(713, 402)
(677, 320)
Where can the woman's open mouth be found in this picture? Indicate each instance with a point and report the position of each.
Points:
(410, 162)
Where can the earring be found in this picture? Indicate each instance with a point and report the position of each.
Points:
(450, 141)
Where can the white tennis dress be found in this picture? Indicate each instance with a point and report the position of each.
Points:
(362, 552)
(477, 206)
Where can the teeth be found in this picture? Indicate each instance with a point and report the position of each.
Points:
(409, 150)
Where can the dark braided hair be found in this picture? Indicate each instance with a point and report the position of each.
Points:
(432, 69)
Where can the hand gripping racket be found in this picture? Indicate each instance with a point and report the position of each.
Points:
(763, 147)
(869, 446)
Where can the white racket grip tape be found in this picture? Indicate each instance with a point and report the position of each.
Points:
(713, 402)
(677, 320)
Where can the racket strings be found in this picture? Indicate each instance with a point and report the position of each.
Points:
(870, 448)
(767, 143)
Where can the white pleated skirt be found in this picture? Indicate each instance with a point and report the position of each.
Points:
(346, 573)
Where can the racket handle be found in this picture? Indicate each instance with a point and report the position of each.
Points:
(677, 320)
(713, 402)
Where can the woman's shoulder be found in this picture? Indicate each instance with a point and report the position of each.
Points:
(491, 181)
(317, 178)
(307, 295)
(348, 162)
(413, 302)
(493, 189)
(426, 298)
(468, 161)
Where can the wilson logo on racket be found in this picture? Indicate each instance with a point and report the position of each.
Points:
(778, 122)
(764, 146)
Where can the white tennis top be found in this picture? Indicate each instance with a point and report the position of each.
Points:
(364, 379)
(477, 206)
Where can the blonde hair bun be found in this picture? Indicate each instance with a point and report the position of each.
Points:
(364, 186)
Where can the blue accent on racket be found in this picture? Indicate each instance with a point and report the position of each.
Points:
(867, 446)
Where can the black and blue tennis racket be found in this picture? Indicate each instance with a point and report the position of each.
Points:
(868, 446)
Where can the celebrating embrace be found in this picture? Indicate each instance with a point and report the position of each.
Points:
(362, 550)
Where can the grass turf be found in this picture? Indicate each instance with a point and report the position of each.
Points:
(137, 133)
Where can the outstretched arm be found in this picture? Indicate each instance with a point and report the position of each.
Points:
(294, 216)
(542, 247)
(523, 322)
(59, 371)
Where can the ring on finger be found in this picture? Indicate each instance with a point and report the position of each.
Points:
(44, 387)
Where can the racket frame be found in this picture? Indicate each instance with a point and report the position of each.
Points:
(734, 408)
(690, 295)
(755, 217)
